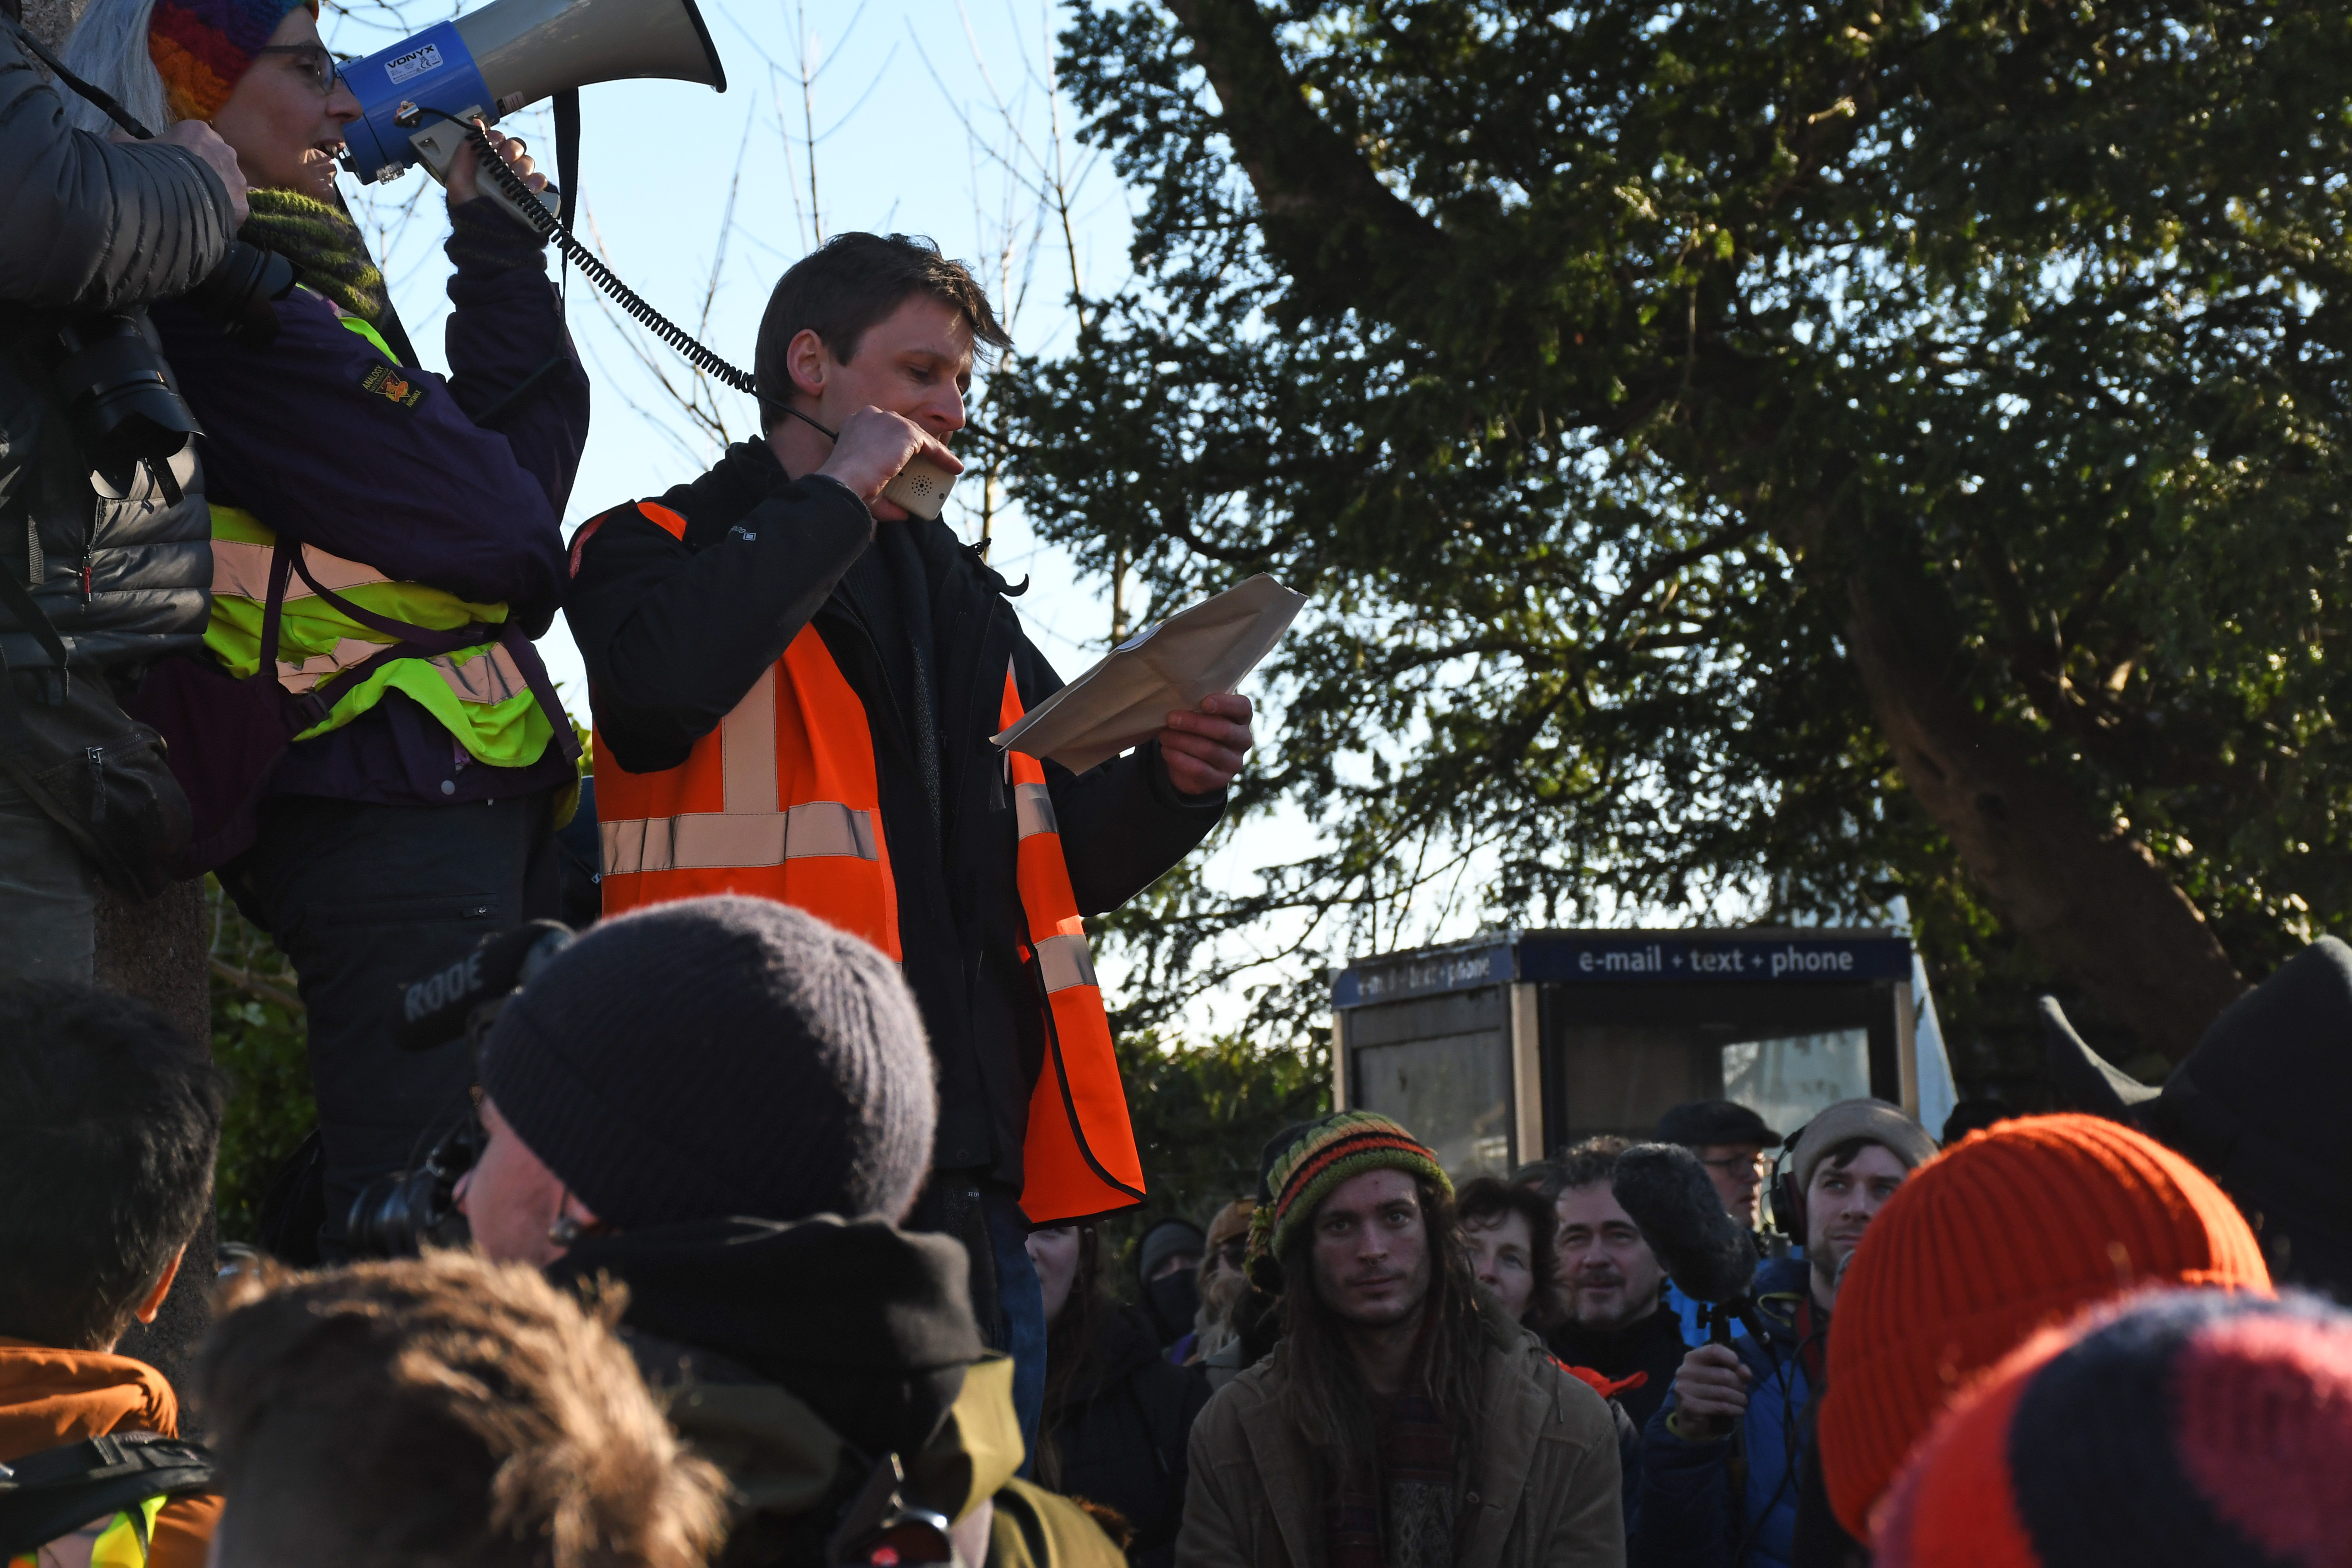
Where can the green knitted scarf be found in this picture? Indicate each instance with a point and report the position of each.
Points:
(323, 245)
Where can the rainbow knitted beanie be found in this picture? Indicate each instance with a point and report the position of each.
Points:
(202, 47)
(1324, 1154)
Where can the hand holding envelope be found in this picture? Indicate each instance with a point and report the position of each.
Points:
(1128, 699)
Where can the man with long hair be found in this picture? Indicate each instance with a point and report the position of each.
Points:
(1398, 1424)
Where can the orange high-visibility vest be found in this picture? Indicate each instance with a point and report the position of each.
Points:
(781, 802)
(1079, 1159)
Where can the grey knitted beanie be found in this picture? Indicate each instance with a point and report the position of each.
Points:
(717, 1057)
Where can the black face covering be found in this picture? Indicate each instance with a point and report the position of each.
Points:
(1174, 1301)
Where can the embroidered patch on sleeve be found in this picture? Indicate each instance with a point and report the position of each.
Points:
(388, 383)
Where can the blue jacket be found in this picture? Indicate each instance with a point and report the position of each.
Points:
(1690, 1516)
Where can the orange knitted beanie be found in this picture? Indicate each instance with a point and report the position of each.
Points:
(2017, 1227)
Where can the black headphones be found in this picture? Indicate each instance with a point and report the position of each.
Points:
(1784, 1201)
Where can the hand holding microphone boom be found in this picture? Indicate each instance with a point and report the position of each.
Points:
(1709, 1256)
(1665, 1192)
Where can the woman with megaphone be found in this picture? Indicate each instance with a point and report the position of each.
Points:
(373, 751)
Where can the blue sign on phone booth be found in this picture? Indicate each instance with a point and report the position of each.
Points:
(1497, 1050)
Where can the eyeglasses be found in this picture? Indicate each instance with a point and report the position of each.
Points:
(312, 62)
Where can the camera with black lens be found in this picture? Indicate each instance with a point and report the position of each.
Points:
(401, 1214)
(108, 371)
(124, 413)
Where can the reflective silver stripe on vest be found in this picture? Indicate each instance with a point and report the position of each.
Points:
(241, 571)
(489, 677)
(716, 840)
(750, 832)
(746, 753)
(1033, 809)
(1066, 961)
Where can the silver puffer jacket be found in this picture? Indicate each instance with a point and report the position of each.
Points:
(92, 225)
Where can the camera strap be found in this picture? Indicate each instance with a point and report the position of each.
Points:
(47, 1496)
(34, 623)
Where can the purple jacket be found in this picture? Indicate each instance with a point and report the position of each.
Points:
(420, 492)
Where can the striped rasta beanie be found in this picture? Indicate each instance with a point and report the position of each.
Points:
(2182, 1429)
(2011, 1231)
(1322, 1155)
(201, 46)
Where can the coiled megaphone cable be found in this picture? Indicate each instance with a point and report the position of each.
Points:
(552, 227)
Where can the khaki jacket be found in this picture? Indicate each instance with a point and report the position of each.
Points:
(1546, 1491)
(780, 1459)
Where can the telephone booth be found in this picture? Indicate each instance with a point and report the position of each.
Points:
(1499, 1051)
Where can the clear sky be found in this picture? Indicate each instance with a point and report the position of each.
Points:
(931, 117)
(927, 116)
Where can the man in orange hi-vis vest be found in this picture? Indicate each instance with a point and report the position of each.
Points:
(794, 685)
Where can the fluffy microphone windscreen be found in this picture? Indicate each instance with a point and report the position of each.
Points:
(1664, 1190)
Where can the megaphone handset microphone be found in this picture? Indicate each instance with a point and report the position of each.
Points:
(921, 487)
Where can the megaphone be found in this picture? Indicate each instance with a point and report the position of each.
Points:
(417, 95)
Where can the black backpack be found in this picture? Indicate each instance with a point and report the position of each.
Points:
(60, 1492)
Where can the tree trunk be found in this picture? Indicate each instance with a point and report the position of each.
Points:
(2087, 898)
(155, 950)
(52, 21)
(2083, 894)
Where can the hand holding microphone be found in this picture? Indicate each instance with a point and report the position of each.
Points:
(874, 447)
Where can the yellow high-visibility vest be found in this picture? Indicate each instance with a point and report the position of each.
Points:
(480, 693)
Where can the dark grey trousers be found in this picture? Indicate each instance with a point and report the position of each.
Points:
(365, 899)
(48, 896)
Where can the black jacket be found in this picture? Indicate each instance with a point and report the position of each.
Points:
(868, 1325)
(794, 1356)
(92, 225)
(674, 631)
(1123, 1433)
(1652, 1346)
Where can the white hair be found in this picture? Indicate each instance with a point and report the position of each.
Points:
(109, 50)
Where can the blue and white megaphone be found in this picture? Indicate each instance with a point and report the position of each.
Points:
(510, 54)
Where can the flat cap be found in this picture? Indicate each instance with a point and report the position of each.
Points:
(1695, 1124)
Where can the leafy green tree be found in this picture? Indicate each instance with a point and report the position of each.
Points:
(258, 1036)
(1202, 1113)
(1754, 451)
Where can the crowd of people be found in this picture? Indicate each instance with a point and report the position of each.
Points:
(693, 1324)
(780, 1191)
